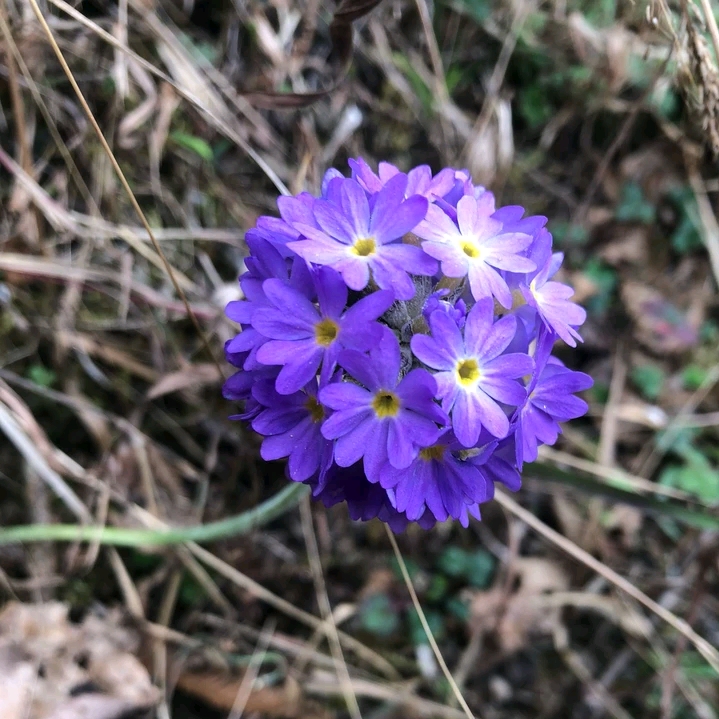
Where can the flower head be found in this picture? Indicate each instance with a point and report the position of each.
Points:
(373, 357)
(438, 481)
(291, 426)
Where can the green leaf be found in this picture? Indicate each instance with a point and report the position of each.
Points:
(478, 10)
(480, 567)
(696, 476)
(534, 106)
(413, 569)
(695, 666)
(41, 375)
(378, 616)
(195, 144)
(633, 207)
(649, 379)
(416, 630)
(458, 609)
(421, 89)
(689, 513)
(437, 588)
(693, 376)
(453, 562)
(566, 233)
(605, 278)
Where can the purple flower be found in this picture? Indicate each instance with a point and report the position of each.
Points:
(278, 231)
(356, 239)
(365, 500)
(475, 247)
(265, 262)
(457, 311)
(291, 426)
(551, 300)
(439, 482)
(550, 400)
(420, 180)
(329, 369)
(473, 373)
(384, 420)
(301, 337)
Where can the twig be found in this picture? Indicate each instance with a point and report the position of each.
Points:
(709, 652)
(712, 25)
(326, 610)
(53, 480)
(423, 620)
(221, 125)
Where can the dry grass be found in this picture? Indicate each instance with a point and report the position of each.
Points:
(138, 142)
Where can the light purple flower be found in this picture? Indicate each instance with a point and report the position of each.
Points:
(303, 337)
(550, 400)
(291, 425)
(386, 419)
(551, 300)
(420, 180)
(476, 247)
(358, 240)
(474, 375)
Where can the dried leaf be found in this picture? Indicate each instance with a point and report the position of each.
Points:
(89, 670)
(283, 702)
(661, 325)
(516, 616)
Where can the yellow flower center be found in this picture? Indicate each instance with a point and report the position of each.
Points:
(364, 247)
(436, 451)
(468, 371)
(470, 249)
(326, 332)
(385, 404)
(316, 410)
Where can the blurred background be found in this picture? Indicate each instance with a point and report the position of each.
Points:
(602, 115)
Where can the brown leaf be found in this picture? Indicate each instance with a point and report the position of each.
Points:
(93, 706)
(97, 653)
(661, 325)
(284, 702)
(516, 616)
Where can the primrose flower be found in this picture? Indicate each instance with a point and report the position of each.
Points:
(439, 482)
(386, 419)
(302, 336)
(475, 247)
(474, 375)
(550, 400)
(395, 343)
(291, 426)
(551, 300)
(356, 240)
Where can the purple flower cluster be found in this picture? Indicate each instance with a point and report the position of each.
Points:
(396, 343)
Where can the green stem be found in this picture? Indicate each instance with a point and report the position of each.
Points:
(277, 505)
